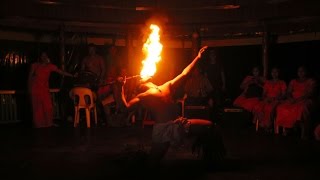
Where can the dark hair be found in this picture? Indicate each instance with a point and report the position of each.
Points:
(274, 68)
(256, 66)
(303, 67)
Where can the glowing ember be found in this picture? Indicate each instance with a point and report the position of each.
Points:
(152, 49)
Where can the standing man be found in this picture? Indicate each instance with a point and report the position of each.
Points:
(95, 71)
(215, 73)
(94, 64)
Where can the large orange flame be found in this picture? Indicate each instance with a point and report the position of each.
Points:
(152, 49)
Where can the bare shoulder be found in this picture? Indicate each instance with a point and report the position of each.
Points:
(167, 84)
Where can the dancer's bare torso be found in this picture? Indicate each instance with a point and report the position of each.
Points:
(158, 100)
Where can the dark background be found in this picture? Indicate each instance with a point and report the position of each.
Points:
(237, 61)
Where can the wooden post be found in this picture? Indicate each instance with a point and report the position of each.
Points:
(62, 48)
(131, 66)
(195, 43)
(62, 66)
(265, 53)
(130, 54)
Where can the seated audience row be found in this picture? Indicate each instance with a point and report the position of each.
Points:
(272, 103)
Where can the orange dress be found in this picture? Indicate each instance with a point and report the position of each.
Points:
(40, 95)
(289, 113)
(272, 93)
(247, 103)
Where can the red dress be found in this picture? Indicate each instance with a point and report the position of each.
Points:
(244, 102)
(289, 113)
(40, 95)
(272, 93)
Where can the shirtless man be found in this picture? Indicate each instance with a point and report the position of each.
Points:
(94, 63)
(169, 128)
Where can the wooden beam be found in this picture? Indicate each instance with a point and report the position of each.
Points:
(169, 42)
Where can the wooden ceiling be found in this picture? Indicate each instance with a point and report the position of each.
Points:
(212, 18)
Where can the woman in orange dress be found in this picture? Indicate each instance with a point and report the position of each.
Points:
(252, 87)
(38, 83)
(297, 106)
(274, 91)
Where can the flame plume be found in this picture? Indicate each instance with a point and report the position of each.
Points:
(152, 49)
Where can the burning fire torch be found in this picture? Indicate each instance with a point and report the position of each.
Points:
(152, 49)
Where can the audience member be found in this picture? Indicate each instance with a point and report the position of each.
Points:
(215, 73)
(298, 104)
(274, 92)
(252, 87)
(94, 63)
(197, 88)
(38, 84)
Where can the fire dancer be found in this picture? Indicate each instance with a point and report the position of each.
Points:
(169, 128)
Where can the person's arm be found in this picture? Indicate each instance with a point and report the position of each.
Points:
(63, 73)
(264, 94)
(246, 82)
(133, 102)
(289, 92)
(283, 91)
(309, 90)
(260, 81)
(188, 69)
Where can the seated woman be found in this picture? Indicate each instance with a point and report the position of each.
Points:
(297, 107)
(273, 92)
(252, 87)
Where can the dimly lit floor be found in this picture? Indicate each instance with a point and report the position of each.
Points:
(110, 153)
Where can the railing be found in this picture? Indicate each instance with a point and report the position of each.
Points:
(8, 106)
(11, 111)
